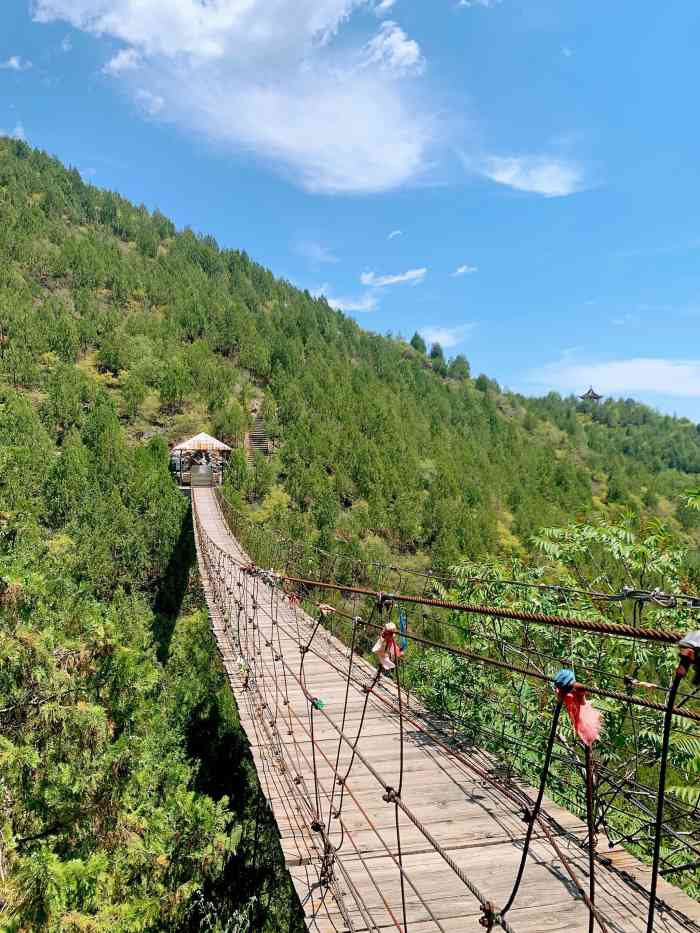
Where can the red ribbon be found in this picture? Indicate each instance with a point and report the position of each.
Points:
(584, 717)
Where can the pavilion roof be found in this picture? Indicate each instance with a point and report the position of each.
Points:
(591, 395)
(201, 441)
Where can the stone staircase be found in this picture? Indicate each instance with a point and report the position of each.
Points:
(257, 440)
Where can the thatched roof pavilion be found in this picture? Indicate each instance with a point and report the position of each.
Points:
(199, 460)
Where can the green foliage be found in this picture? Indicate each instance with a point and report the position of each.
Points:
(112, 355)
(459, 367)
(355, 416)
(69, 482)
(418, 343)
(174, 385)
(230, 422)
(134, 392)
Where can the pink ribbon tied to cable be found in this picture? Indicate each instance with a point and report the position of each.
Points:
(585, 718)
(386, 648)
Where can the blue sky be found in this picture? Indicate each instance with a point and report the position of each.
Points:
(518, 179)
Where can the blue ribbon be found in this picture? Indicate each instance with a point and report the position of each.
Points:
(565, 679)
(403, 641)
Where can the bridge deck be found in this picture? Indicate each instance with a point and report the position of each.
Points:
(474, 821)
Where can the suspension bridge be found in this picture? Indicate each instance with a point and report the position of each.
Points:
(387, 819)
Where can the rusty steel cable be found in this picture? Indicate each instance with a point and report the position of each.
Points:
(664, 636)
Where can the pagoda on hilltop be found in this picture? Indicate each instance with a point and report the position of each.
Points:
(590, 396)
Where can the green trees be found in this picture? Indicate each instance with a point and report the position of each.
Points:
(354, 413)
(437, 357)
(113, 355)
(418, 343)
(237, 472)
(230, 422)
(459, 367)
(68, 483)
(133, 394)
(174, 385)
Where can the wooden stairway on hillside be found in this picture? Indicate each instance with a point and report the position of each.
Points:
(257, 440)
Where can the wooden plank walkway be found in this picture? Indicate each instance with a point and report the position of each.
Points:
(477, 825)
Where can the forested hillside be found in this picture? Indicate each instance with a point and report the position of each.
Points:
(376, 438)
(127, 801)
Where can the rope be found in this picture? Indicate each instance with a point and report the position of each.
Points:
(536, 809)
(590, 822)
(678, 676)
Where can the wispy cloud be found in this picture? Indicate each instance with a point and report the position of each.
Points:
(315, 252)
(381, 281)
(16, 63)
(549, 176)
(383, 6)
(151, 103)
(124, 60)
(361, 303)
(66, 44)
(656, 376)
(464, 270)
(270, 78)
(394, 234)
(392, 50)
(484, 4)
(447, 337)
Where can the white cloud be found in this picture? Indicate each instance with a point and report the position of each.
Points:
(552, 177)
(16, 63)
(464, 270)
(66, 44)
(124, 60)
(485, 4)
(393, 51)
(315, 252)
(383, 6)
(151, 103)
(447, 337)
(265, 76)
(381, 281)
(363, 303)
(679, 378)
(394, 234)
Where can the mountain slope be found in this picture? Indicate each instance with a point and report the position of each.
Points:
(376, 445)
